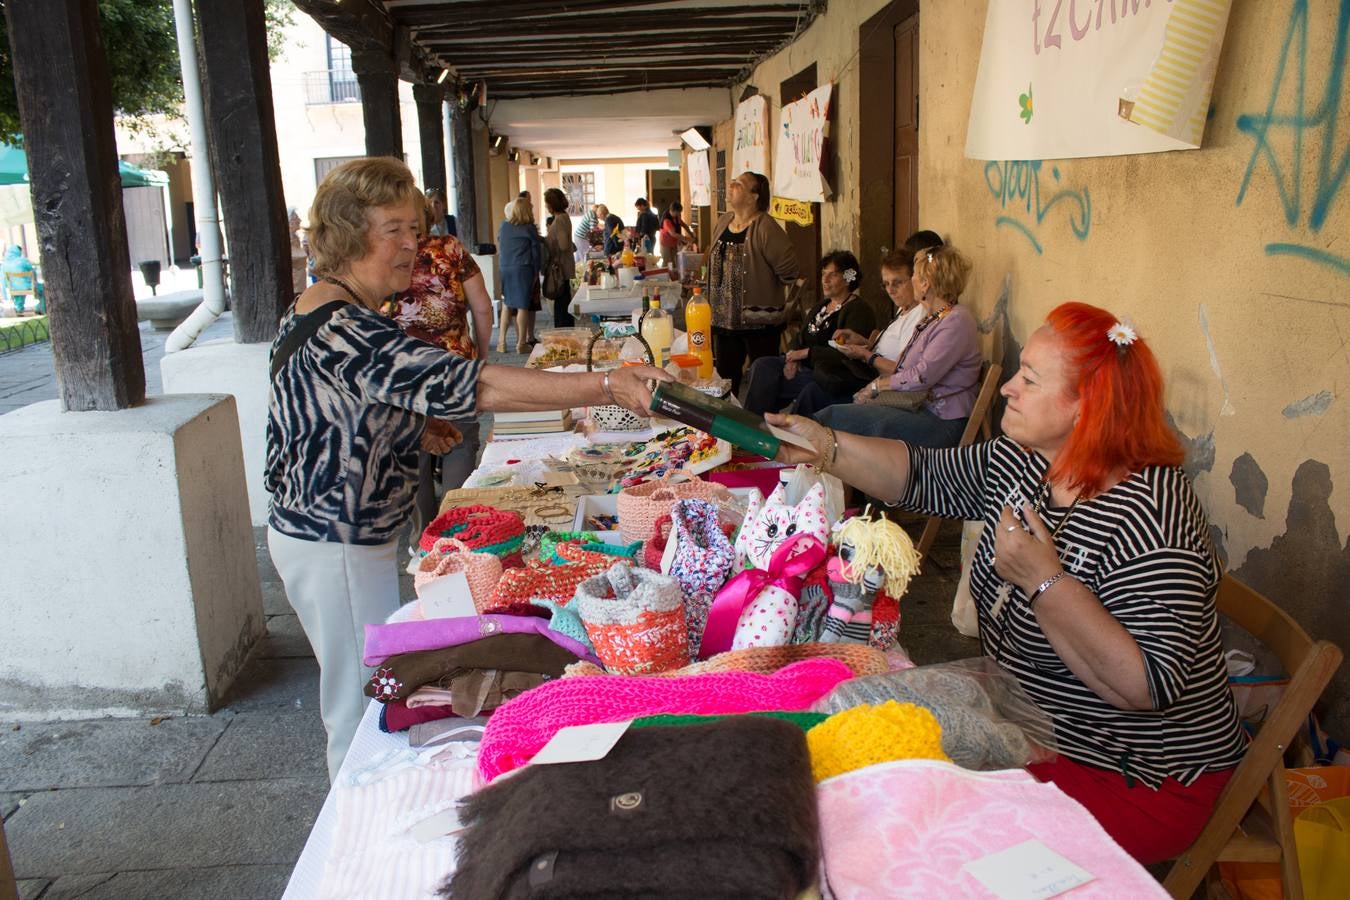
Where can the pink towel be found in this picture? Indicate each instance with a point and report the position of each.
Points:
(905, 829)
(521, 727)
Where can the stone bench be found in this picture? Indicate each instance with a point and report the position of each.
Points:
(167, 311)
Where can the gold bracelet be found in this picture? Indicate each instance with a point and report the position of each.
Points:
(834, 450)
(826, 457)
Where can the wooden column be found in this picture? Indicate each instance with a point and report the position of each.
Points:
(466, 204)
(242, 132)
(378, 78)
(431, 133)
(65, 108)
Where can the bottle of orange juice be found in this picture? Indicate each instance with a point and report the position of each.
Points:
(698, 324)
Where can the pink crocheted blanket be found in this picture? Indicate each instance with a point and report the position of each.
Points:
(521, 727)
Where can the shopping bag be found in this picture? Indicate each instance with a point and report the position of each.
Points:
(1323, 839)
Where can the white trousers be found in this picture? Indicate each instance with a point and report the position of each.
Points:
(336, 590)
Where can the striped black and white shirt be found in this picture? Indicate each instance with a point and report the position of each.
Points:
(345, 418)
(1142, 548)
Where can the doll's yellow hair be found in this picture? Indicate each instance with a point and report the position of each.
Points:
(881, 542)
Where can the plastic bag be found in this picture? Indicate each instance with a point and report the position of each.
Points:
(988, 722)
(798, 481)
(1319, 798)
(963, 604)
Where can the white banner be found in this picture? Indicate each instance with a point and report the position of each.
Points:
(800, 154)
(751, 146)
(700, 180)
(1069, 78)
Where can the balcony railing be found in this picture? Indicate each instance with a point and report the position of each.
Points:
(331, 86)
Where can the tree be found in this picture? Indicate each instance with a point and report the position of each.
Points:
(140, 41)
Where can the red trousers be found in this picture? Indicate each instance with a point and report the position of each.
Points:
(1150, 825)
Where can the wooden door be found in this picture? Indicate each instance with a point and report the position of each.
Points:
(888, 127)
(906, 130)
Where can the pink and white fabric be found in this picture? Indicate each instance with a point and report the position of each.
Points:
(373, 853)
(906, 828)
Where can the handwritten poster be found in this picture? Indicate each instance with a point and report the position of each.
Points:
(751, 149)
(799, 159)
(700, 179)
(1067, 78)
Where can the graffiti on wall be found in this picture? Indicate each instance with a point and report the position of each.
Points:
(1016, 185)
(1301, 119)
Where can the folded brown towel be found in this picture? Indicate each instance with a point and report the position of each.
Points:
(404, 673)
(722, 810)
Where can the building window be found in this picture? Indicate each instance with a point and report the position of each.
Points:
(325, 164)
(580, 190)
(337, 83)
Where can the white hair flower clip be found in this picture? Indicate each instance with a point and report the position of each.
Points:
(850, 275)
(1121, 335)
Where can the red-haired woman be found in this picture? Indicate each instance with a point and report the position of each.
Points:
(1094, 580)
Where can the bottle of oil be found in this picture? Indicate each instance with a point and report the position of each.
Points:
(698, 325)
(658, 330)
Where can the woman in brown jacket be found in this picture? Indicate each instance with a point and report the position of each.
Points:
(750, 260)
(561, 252)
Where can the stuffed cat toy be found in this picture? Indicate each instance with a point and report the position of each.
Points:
(770, 522)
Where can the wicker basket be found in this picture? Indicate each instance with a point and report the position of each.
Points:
(612, 417)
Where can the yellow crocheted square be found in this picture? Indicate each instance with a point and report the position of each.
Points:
(866, 735)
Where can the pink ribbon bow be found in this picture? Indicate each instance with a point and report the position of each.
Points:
(793, 559)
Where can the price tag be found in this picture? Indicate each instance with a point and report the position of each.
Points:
(447, 597)
(581, 743)
(1027, 871)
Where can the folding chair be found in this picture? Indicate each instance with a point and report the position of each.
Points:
(1251, 822)
(978, 425)
(21, 284)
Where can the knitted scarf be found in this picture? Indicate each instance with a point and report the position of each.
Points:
(520, 728)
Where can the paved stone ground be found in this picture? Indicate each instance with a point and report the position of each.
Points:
(220, 806)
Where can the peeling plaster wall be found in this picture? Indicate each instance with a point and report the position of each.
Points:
(831, 42)
(1255, 346)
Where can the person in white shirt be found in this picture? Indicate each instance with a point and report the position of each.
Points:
(897, 269)
(861, 358)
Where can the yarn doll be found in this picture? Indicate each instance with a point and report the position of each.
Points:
(873, 554)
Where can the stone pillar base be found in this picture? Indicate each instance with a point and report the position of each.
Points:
(241, 370)
(130, 582)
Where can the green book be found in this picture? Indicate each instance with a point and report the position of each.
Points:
(721, 418)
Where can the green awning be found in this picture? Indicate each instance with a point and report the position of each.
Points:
(14, 170)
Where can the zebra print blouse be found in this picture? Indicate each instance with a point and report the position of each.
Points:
(1142, 548)
(345, 417)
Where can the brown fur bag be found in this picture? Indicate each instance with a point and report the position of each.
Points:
(719, 810)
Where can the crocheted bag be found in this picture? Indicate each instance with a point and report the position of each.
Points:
(704, 560)
(635, 619)
(448, 555)
(641, 505)
(654, 549)
(547, 582)
(482, 528)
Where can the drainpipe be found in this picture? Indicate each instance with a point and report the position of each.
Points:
(203, 190)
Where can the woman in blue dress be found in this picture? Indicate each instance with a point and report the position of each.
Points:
(520, 252)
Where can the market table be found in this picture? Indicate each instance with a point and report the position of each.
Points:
(620, 302)
(418, 868)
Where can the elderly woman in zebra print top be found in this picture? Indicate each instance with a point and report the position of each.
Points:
(349, 408)
(1094, 580)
